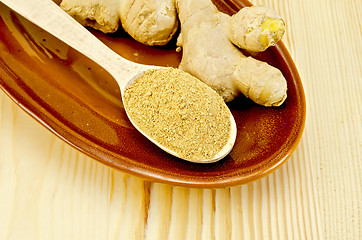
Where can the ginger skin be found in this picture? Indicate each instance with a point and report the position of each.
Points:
(150, 22)
(98, 14)
(209, 55)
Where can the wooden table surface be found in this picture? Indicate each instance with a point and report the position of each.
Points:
(48, 190)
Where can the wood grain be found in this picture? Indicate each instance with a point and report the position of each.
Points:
(48, 190)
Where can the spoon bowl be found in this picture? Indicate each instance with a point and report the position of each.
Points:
(48, 16)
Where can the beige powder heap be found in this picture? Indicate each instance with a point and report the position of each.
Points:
(180, 112)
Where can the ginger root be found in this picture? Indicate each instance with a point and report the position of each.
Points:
(209, 54)
(151, 22)
(210, 40)
(99, 14)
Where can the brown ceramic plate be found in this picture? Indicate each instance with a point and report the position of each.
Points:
(80, 103)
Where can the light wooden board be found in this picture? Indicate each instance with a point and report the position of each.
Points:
(48, 190)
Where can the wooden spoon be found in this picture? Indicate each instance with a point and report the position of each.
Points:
(51, 18)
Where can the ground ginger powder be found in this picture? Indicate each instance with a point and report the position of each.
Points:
(180, 112)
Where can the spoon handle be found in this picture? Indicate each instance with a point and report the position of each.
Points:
(50, 17)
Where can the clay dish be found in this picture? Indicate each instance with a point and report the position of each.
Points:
(80, 103)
